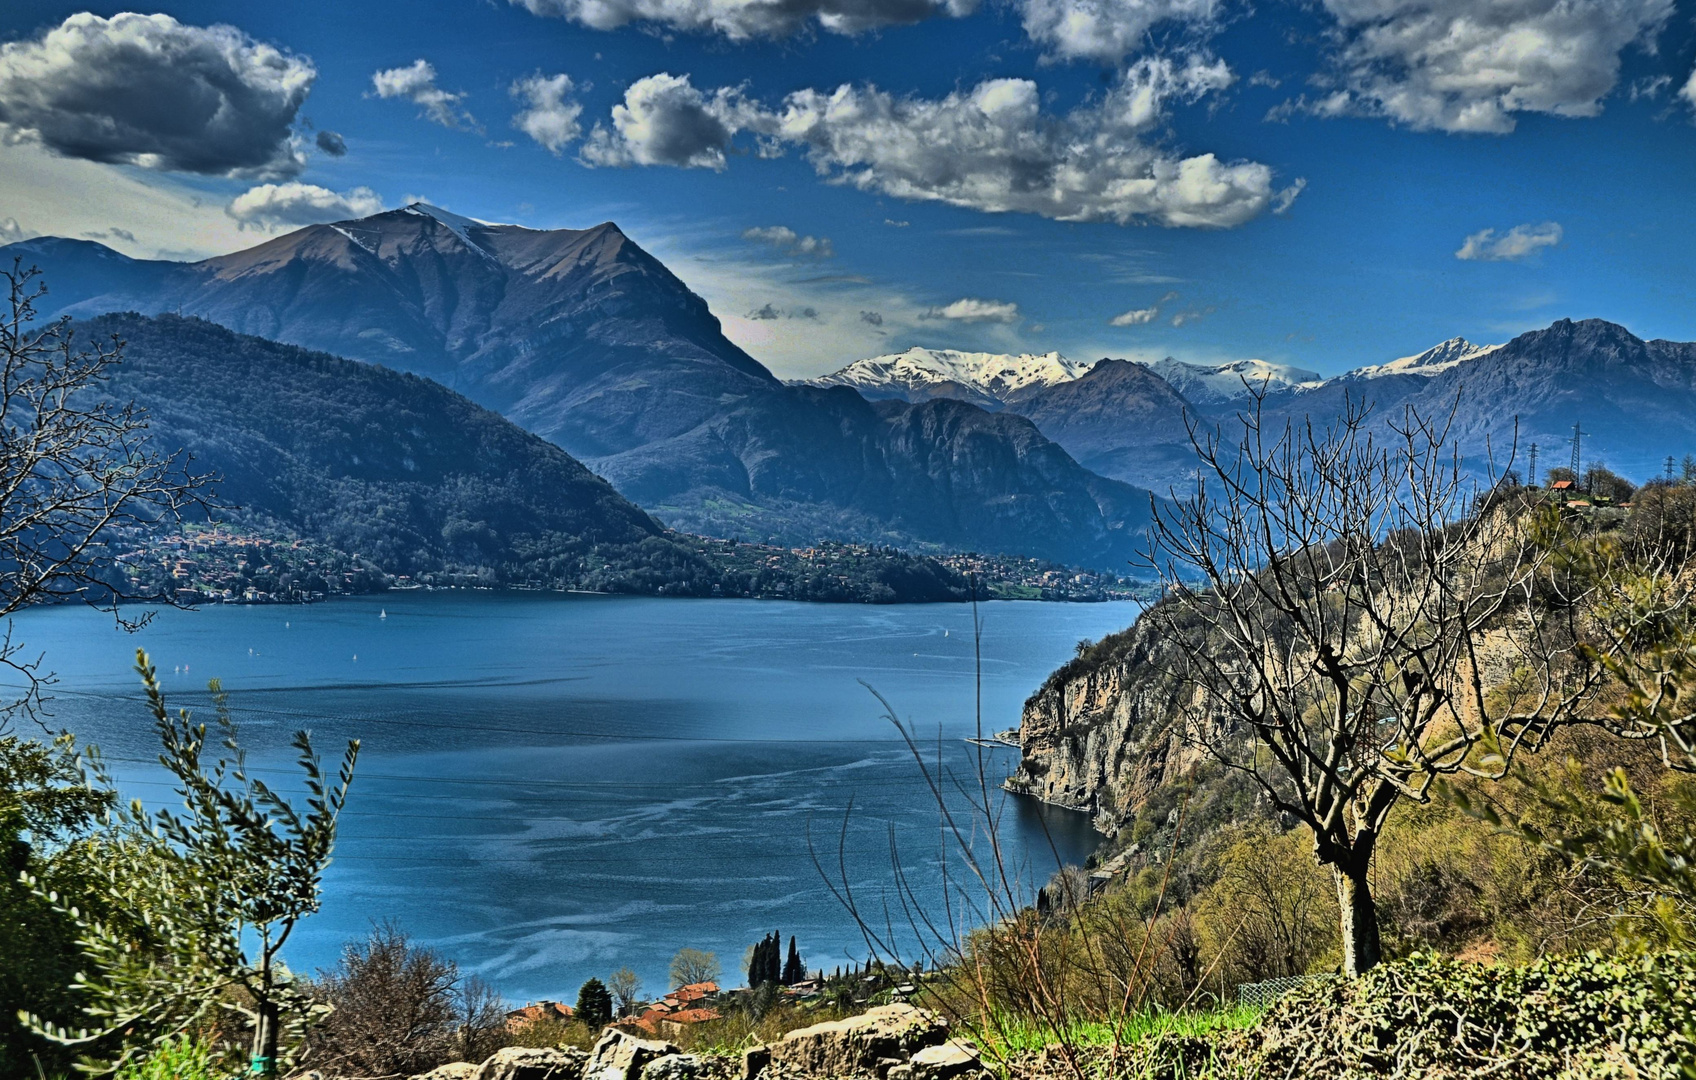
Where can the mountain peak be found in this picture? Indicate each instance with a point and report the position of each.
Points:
(1215, 384)
(982, 378)
(1438, 358)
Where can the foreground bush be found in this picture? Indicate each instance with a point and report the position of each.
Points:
(1572, 1016)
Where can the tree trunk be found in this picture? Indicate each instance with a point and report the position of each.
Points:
(1361, 946)
(265, 1040)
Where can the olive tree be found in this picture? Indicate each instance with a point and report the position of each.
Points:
(203, 900)
(1353, 623)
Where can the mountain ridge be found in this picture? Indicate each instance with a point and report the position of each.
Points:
(585, 339)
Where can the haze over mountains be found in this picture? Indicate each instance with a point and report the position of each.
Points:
(586, 340)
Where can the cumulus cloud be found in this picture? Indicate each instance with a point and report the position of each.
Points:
(1471, 65)
(331, 143)
(1106, 30)
(550, 113)
(991, 148)
(971, 309)
(11, 232)
(790, 242)
(1487, 245)
(664, 120)
(1688, 91)
(295, 203)
(147, 90)
(740, 20)
(417, 83)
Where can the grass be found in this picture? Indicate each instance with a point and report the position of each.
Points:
(1015, 1036)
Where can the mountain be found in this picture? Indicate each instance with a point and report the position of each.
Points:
(1119, 419)
(585, 339)
(1635, 399)
(1433, 361)
(413, 478)
(986, 379)
(1209, 385)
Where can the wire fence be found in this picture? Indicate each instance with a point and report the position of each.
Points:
(1262, 994)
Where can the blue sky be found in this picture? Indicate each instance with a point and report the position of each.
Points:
(1291, 181)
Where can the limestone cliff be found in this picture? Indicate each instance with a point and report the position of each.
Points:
(1102, 733)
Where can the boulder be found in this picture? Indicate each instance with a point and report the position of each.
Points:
(453, 1070)
(530, 1063)
(945, 1061)
(754, 1061)
(622, 1056)
(868, 1043)
(673, 1067)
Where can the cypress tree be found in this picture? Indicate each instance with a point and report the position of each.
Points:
(594, 1004)
(793, 972)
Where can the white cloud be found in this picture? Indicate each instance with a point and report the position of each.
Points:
(991, 148)
(1106, 30)
(550, 114)
(1487, 245)
(971, 309)
(1135, 317)
(1688, 91)
(1471, 65)
(11, 232)
(417, 83)
(664, 120)
(295, 203)
(740, 20)
(147, 90)
(790, 242)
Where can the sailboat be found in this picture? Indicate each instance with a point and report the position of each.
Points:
(382, 613)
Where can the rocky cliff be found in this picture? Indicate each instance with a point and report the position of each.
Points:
(1102, 733)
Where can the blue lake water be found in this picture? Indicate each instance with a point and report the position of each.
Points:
(554, 786)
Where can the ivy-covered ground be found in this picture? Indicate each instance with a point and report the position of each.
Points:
(1581, 1017)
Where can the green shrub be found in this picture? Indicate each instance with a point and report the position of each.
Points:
(1570, 1016)
(182, 1059)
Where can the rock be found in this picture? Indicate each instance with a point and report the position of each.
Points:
(673, 1067)
(453, 1070)
(530, 1063)
(860, 1044)
(621, 1056)
(945, 1061)
(754, 1061)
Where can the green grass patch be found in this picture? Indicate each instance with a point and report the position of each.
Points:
(1016, 1036)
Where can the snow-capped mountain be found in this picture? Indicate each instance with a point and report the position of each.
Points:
(986, 379)
(1214, 384)
(1438, 358)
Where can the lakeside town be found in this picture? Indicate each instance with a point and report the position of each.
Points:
(225, 564)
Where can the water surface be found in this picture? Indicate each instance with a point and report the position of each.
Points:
(554, 786)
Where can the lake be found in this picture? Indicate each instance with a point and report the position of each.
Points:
(553, 786)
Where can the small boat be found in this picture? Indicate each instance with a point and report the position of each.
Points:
(382, 613)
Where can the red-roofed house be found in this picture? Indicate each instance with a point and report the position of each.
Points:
(540, 1010)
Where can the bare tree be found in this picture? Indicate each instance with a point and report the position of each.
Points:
(72, 469)
(394, 1009)
(1354, 622)
(692, 966)
(626, 987)
(482, 1020)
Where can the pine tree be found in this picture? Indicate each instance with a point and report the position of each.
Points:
(793, 972)
(594, 1004)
